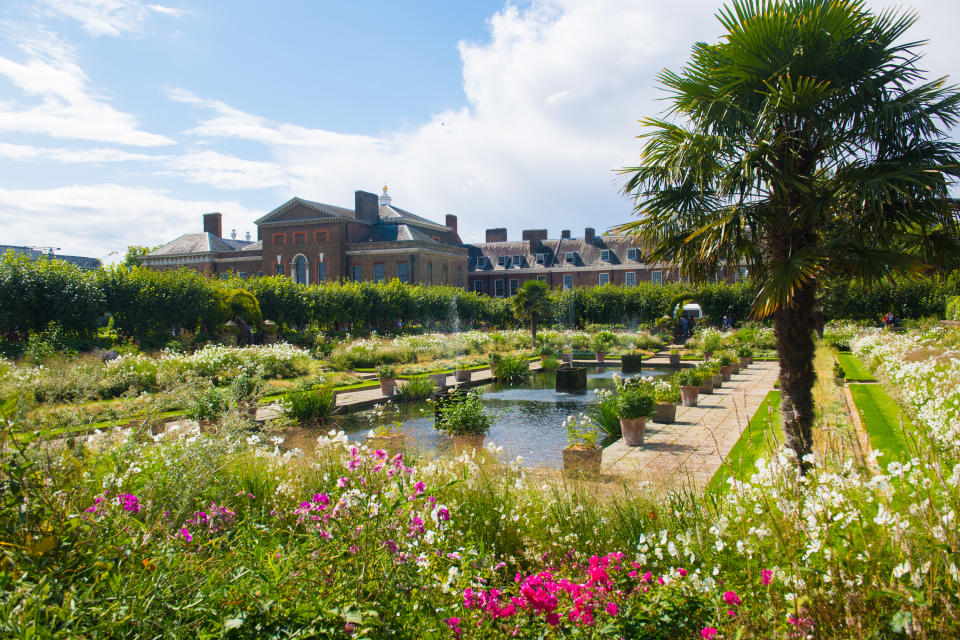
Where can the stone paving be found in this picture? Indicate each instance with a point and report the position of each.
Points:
(690, 450)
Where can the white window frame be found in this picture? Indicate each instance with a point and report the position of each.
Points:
(517, 261)
(603, 279)
(633, 254)
(568, 281)
(541, 278)
(481, 261)
(541, 258)
(478, 286)
(656, 277)
(630, 278)
(498, 289)
(605, 255)
(502, 261)
(570, 257)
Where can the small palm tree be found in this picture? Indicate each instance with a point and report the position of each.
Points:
(805, 145)
(531, 302)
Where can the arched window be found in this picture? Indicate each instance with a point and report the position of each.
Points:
(300, 269)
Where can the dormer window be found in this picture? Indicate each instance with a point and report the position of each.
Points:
(571, 257)
(517, 261)
(605, 255)
(633, 254)
(502, 261)
(541, 258)
(481, 261)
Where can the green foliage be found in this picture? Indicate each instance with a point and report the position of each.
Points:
(602, 341)
(385, 372)
(838, 371)
(952, 311)
(310, 405)
(726, 358)
(550, 363)
(604, 413)
(416, 388)
(688, 378)
(208, 404)
(581, 431)
(246, 389)
(635, 403)
(511, 369)
(463, 414)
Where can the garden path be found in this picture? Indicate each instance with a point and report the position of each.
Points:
(691, 449)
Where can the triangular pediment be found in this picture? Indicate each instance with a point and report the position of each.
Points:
(297, 209)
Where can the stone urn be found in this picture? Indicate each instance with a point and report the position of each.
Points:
(439, 379)
(462, 375)
(717, 380)
(388, 386)
(706, 387)
(390, 442)
(726, 371)
(582, 462)
(600, 356)
(736, 368)
(688, 395)
(468, 442)
(744, 362)
(633, 430)
(674, 359)
(666, 412)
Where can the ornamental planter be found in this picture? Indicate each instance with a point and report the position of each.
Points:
(674, 359)
(706, 386)
(582, 462)
(736, 368)
(388, 386)
(439, 379)
(571, 380)
(389, 442)
(688, 395)
(462, 375)
(468, 442)
(726, 371)
(666, 412)
(744, 362)
(600, 356)
(717, 380)
(631, 363)
(633, 430)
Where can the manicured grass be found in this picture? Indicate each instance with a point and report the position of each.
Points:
(856, 371)
(763, 429)
(881, 418)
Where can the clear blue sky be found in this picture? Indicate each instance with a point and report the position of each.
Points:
(122, 121)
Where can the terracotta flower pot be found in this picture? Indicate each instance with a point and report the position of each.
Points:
(439, 379)
(633, 430)
(736, 368)
(750, 360)
(717, 380)
(666, 412)
(726, 371)
(600, 356)
(388, 386)
(744, 362)
(582, 462)
(674, 359)
(706, 386)
(468, 442)
(462, 375)
(688, 395)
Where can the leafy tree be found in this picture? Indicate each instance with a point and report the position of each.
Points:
(135, 251)
(531, 302)
(806, 144)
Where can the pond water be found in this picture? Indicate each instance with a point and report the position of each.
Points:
(527, 419)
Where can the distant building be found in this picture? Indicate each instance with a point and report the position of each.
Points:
(47, 253)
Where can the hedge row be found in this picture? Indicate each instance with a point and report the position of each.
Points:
(147, 304)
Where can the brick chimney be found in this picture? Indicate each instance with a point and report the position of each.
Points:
(589, 234)
(497, 235)
(366, 206)
(213, 223)
(565, 234)
(451, 222)
(534, 237)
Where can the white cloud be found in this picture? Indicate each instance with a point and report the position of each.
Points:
(225, 172)
(111, 17)
(96, 219)
(24, 152)
(64, 105)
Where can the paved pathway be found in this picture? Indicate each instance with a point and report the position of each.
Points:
(691, 449)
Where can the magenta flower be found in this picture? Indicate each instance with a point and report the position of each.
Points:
(682, 572)
(553, 619)
(612, 608)
(186, 534)
(342, 482)
(731, 597)
(767, 576)
(708, 632)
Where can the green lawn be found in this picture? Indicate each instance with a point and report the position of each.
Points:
(856, 371)
(881, 418)
(763, 430)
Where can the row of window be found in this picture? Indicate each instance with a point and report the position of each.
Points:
(570, 257)
(300, 237)
(629, 279)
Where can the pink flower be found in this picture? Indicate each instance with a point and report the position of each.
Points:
(731, 613)
(612, 608)
(342, 482)
(682, 572)
(767, 576)
(553, 619)
(731, 597)
(186, 534)
(443, 513)
(708, 632)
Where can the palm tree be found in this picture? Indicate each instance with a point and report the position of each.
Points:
(531, 302)
(806, 144)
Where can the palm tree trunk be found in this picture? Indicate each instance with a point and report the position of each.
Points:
(794, 327)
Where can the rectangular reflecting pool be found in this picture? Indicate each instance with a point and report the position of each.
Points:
(527, 418)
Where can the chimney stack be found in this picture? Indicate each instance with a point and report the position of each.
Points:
(212, 223)
(452, 222)
(497, 235)
(534, 237)
(366, 206)
(589, 234)
(565, 234)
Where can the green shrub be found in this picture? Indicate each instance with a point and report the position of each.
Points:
(726, 358)
(416, 388)
(688, 378)
(386, 372)
(511, 369)
(208, 404)
(310, 405)
(550, 363)
(463, 414)
(953, 308)
(744, 351)
(604, 413)
(635, 403)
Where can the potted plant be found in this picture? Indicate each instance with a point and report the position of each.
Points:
(494, 358)
(689, 381)
(667, 397)
(726, 360)
(207, 406)
(706, 377)
(710, 343)
(247, 390)
(601, 343)
(463, 416)
(674, 357)
(388, 379)
(746, 356)
(581, 456)
(634, 406)
(462, 373)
